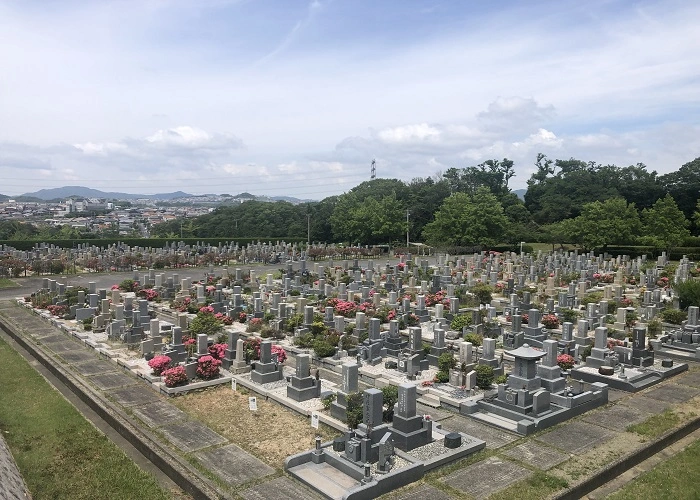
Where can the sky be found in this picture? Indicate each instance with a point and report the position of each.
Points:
(296, 98)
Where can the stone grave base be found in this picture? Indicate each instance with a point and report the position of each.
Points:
(334, 477)
(637, 379)
(678, 352)
(562, 408)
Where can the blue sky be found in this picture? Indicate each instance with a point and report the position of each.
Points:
(296, 97)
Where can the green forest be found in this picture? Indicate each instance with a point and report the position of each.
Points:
(567, 201)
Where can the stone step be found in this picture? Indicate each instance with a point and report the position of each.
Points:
(496, 420)
(429, 400)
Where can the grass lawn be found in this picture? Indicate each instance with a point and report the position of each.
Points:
(7, 283)
(677, 477)
(59, 453)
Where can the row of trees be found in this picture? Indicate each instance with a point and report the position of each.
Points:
(567, 201)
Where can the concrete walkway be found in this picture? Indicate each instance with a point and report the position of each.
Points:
(155, 415)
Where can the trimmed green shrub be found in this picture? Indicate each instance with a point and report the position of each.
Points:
(484, 376)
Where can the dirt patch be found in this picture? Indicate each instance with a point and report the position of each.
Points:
(271, 433)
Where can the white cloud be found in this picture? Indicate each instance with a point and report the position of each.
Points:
(409, 133)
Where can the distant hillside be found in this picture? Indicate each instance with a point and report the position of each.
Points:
(520, 193)
(4, 197)
(84, 192)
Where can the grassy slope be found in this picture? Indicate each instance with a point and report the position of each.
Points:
(59, 453)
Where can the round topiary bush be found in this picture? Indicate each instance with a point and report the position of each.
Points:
(484, 376)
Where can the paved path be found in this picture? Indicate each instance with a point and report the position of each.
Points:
(242, 471)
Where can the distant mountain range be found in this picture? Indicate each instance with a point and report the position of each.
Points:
(84, 192)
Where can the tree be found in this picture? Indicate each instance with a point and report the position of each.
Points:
(665, 224)
(684, 185)
(603, 223)
(368, 221)
(465, 220)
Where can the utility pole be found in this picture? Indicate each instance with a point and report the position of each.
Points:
(308, 230)
(407, 225)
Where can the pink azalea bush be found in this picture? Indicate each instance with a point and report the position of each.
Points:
(342, 307)
(218, 351)
(56, 310)
(226, 320)
(208, 367)
(149, 294)
(174, 376)
(159, 364)
(550, 321)
(565, 361)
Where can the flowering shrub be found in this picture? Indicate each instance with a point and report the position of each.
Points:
(612, 343)
(226, 320)
(251, 348)
(342, 307)
(184, 305)
(401, 266)
(56, 310)
(189, 344)
(159, 364)
(114, 287)
(242, 317)
(218, 350)
(412, 320)
(565, 361)
(525, 318)
(427, 383)
(255, 325)
(606, 278)
(663, 281)
(550, 321)
(175, 376)
(149, 294)
(208, 367)
(625, 302)
(206, 310)
(129, 285)
(439, 297)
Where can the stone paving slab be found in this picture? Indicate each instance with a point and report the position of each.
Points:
(436, 414)
(61, 347)
(689, 378)
(159, 413)
(536, 454)
(79, 356)
(233, 465)
(672, 393)
(616, 417)
(133, 395)
(108, 381)
(191, 435)
(495, 438)
(281, 488)
(95, 367)
(614, 395)
(645, 404)
(423, 492)
(576, 437)
(54, 338)
(486, 477)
